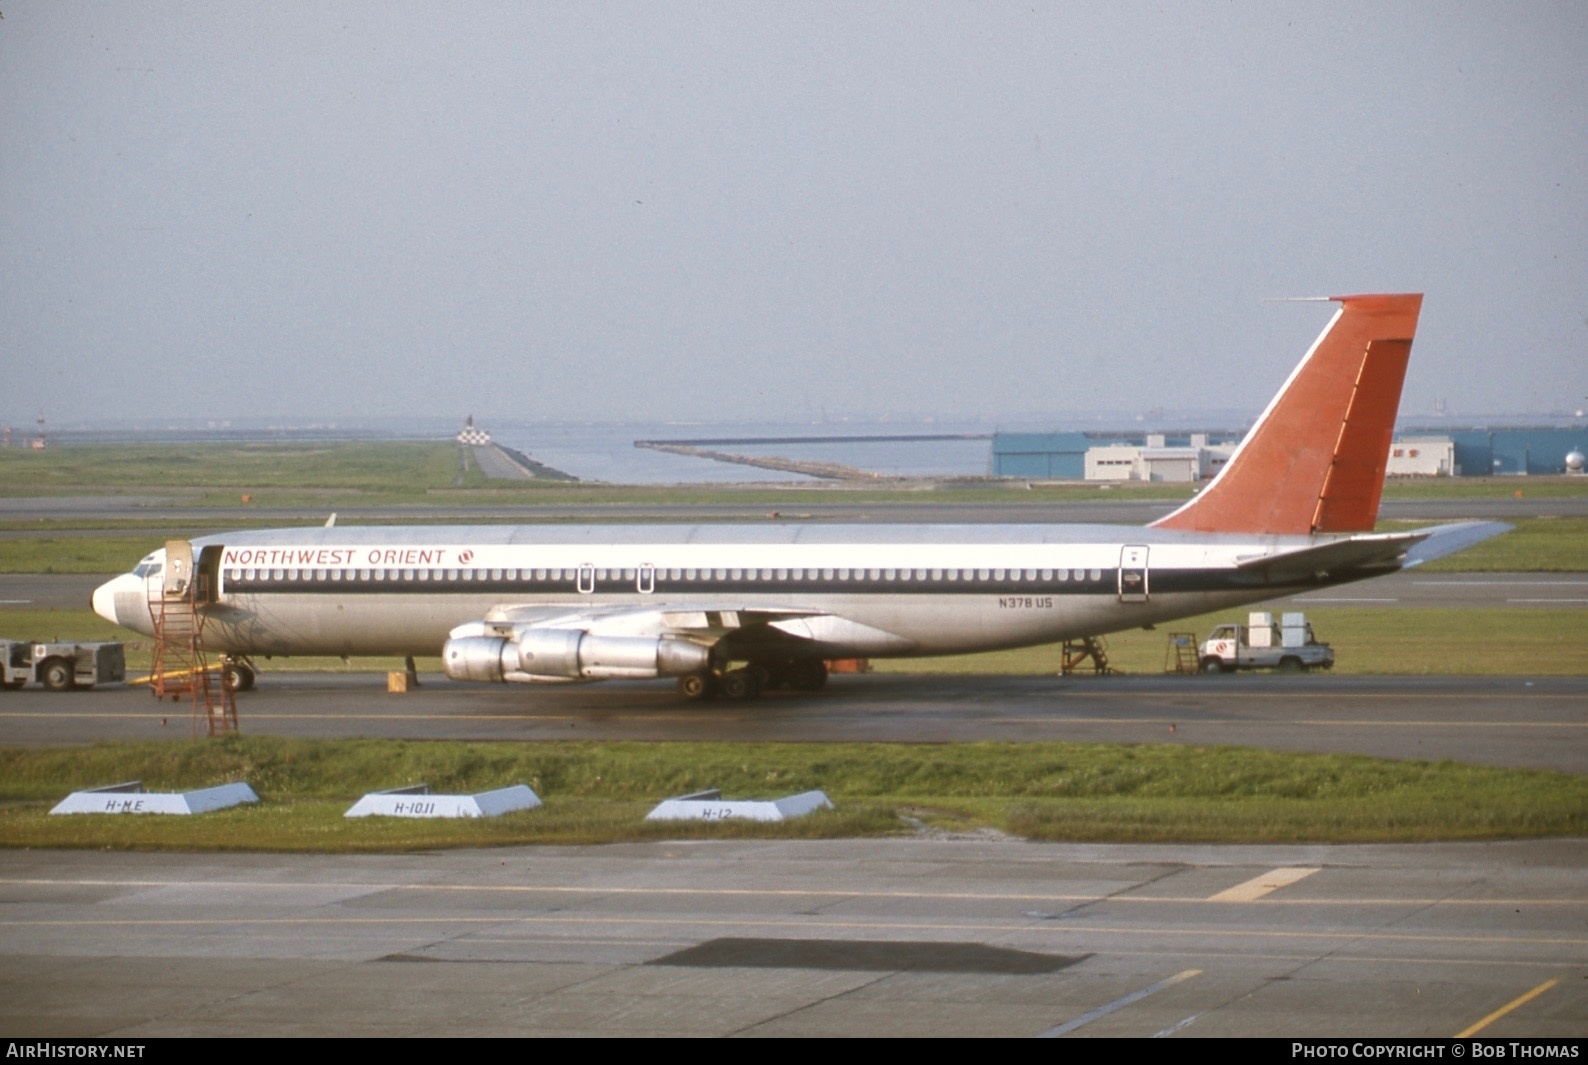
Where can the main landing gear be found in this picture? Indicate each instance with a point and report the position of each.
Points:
(749, 681)
(237, 674)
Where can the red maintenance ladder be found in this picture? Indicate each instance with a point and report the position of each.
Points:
(180, 665)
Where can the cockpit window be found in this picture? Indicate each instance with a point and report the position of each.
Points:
(147, 569)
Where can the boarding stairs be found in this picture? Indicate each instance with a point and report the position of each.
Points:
(180, 665)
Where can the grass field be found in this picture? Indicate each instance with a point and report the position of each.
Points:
(599, 792)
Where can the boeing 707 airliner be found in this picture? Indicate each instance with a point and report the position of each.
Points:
(733, 609)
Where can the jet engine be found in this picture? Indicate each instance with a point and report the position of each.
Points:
(533, 655)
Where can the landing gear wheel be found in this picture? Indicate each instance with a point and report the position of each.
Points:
(56, 675)
(740, 684)
(697, 686)
(237, 677)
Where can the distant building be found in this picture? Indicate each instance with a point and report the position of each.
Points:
(1040, 456)
(1110, 456)
(1540, 450)
(1140, 456)
(1421, 456)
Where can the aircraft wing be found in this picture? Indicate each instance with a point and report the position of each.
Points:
(745, 627)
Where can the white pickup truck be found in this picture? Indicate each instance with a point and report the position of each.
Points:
(1260, 644)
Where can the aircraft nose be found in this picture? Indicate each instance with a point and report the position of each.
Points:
(104, 602)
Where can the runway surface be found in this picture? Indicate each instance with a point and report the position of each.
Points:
(911, 937)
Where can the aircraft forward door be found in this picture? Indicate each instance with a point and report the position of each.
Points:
(207, 575)
(1133, 574)
(178, 568)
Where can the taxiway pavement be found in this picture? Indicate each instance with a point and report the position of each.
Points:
(899, 937)
(1539, 723)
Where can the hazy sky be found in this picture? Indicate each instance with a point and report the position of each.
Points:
(769, 211)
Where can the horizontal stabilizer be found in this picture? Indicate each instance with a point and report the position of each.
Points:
(1372, 550)
(1444, 540)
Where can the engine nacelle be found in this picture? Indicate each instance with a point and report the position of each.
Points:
(553, 655)
(488, 658)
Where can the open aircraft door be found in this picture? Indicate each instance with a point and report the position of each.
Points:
(178, 569)
(207, 575)
(1133, 574)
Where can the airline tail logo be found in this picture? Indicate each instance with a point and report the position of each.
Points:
(1314, 462)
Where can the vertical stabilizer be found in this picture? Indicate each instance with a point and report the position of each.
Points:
(1314, 462)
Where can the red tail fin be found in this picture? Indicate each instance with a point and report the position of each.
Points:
(1314, 462)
